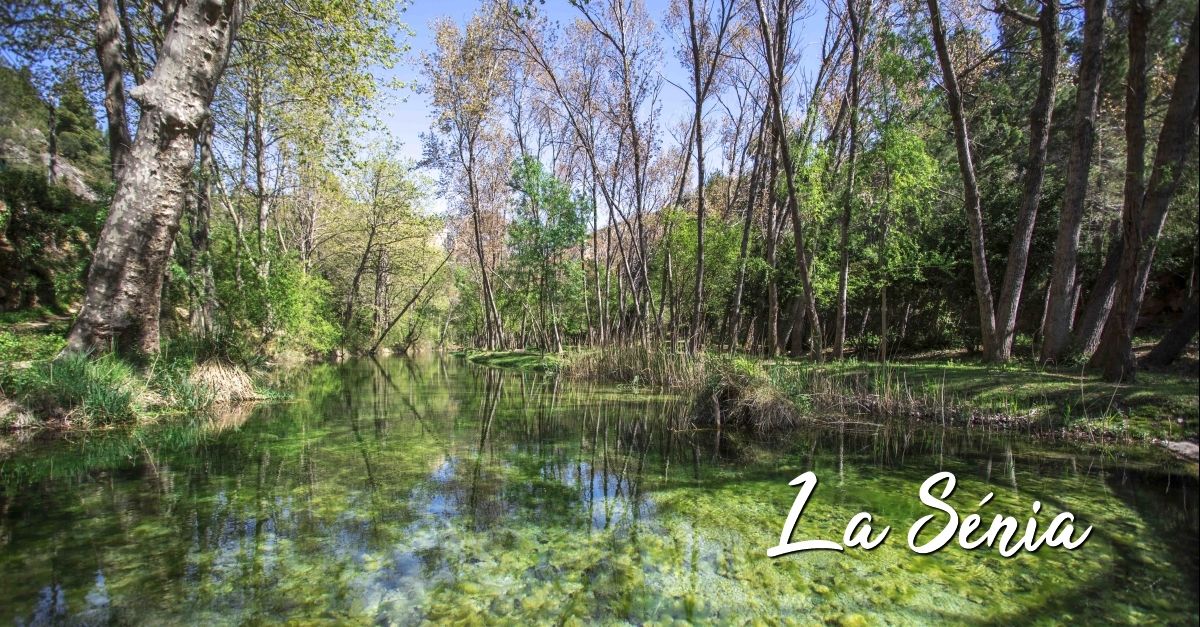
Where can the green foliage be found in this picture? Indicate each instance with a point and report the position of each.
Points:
(516, 360)
(302, 312)
(549, 226)
(23, 115)
(29, 346)
(48, 230)
(79, 138)
(290, 309)
(101, 390)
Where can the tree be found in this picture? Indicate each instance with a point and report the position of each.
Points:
(706, 38)
(466, 75)
(997, 326)
(1060, 299)
(122, 300)
(1146, 204)
(774, 37)
(550, 223)
(856, 42)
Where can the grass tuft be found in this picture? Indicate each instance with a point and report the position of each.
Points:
(637, 366)
(104, 390)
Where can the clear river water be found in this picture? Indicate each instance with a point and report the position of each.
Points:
(413, 490)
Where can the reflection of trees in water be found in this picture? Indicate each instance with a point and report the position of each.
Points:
(371, 454)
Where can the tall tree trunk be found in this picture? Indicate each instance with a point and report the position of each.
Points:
(1039, 139)
(704, 68)
(601, 299)
(1172, 344)
(775, 46)
(379, 303)
(403, 310)
(839, 325)
(1146, 206)
(698, 136)
(201, 262)
(771, 333)
(1060, 305)
(108, 51)
(972, 205)
(1114, 353)
(356, 278)
(1098, 305)
(494, 333)
(52, 143)
(262, 206)
(756, 173)
(124, 287)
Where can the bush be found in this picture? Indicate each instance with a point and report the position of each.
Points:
(738, 391)
(105, 390)
(29, 346)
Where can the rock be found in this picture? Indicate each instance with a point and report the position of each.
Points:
(1183, 449)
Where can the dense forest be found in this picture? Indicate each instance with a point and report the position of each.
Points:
(860, 178)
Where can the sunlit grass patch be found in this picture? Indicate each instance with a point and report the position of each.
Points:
(516, 359)
(76, 388)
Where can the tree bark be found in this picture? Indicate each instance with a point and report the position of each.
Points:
(735, 310)
(403, 310)
(1039, 139)
(1172, 344)
(1098, 304)
(1146, 206)
(201, 262)
(698, 87)
(1060, 306)
(495, 332)
(972, 205)
(839, 325)
(775, 47)
(124, 287)
(108, 51)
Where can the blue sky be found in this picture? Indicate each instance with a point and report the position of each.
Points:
(407, 116)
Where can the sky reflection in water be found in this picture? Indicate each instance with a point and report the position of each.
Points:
(403, 491)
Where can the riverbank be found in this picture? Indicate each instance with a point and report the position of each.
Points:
(1159, 406)
(534, 502)
(40, 390)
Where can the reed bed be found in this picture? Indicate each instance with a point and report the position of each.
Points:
(637, 366)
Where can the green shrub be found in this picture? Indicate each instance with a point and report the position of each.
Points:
(29, 346)
(104, 390)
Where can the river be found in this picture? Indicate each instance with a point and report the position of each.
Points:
(430, 489)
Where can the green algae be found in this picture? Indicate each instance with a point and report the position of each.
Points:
(429, 491)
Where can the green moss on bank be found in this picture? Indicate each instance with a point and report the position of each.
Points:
(1157, 405)
(1021, 395)
(516, 360)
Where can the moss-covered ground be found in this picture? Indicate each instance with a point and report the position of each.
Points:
(1066, 400)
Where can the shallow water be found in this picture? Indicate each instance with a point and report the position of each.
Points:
(431, 490)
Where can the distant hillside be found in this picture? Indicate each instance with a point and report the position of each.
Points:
(47, 228)
(80, 155)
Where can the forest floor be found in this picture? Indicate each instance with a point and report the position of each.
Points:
(1160, 406)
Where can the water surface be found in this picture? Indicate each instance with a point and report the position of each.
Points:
(405, 491)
